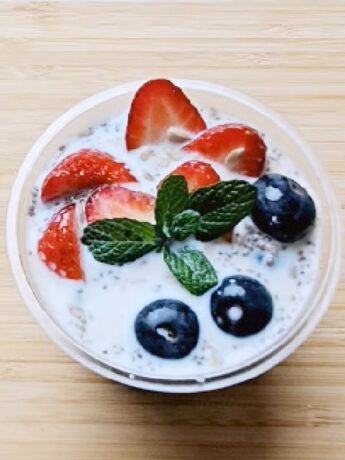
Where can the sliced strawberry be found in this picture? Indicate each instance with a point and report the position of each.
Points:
(157, 106)
(240, 147)
(115, 201)
(58, 247)
(228, 237)
(197, 174)
(83, 169)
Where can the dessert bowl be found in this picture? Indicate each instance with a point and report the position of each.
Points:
(95, 111)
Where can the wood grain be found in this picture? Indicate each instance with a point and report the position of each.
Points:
(290, 55)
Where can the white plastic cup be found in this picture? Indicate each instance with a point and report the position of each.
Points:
(99, 108)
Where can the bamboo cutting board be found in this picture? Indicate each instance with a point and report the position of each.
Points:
(289, 55)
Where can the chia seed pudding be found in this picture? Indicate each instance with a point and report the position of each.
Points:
(99, 313)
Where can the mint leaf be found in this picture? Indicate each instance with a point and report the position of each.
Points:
(222, 206)
(172, 199)
(192, 269)
(116, 241)
(184, 224)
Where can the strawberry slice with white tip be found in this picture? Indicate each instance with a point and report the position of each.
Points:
(84, 169)
(198, 174)
(240, 147)
(157, 106)
(58, 246)
(111, 201)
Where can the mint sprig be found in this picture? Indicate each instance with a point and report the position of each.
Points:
(184, 224)
(222, 206)
(207, 213)
(117, 241)
(172, 199)
(192, 269)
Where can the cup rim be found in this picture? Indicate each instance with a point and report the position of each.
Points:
(298, 335)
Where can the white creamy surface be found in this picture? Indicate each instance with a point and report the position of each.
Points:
(99, 313)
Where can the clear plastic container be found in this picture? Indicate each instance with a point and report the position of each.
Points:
(112, 102)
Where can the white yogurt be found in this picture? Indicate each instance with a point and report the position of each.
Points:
(99, 313)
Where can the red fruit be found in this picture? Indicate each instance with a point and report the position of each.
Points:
(197, 174)
(239, 147)
(157, 106)
(58, 247)
(115, 201)
(228, 236)
(84, 169)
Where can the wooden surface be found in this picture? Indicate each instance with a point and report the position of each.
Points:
(289, 55)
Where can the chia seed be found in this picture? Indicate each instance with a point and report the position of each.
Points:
(117, 349)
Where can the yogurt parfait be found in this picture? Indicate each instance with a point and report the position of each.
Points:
(172, 241)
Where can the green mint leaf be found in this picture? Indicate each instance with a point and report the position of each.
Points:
(192, 269)
(172, 199)
(184, 224)
(116, 241)
(222, 206)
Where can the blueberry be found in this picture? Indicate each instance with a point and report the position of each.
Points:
(167, 328)
(241, 306)
(283, 209)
